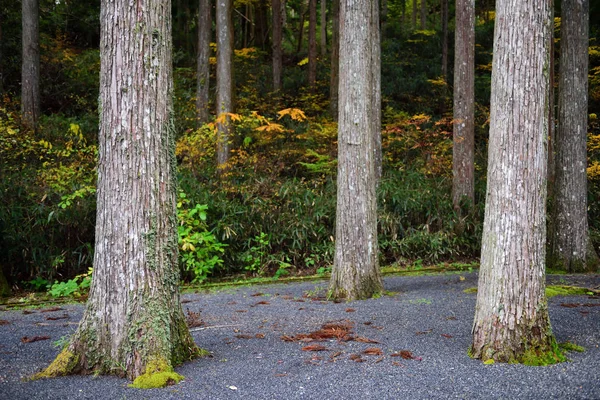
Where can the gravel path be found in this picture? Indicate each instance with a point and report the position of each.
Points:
(430, 316)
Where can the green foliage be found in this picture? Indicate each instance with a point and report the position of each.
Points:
(199, 250)
(37, 284)
(73, 287)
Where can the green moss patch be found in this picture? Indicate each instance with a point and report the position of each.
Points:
(158, 374)
(537, 357)
(564, 290)
(470, 290)
(63, 364)
(568, 346)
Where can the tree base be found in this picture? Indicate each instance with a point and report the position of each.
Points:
(159, 373)
(539, 355)
(64, 364)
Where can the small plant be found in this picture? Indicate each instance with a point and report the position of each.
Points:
(257, 253)
(73, 287)
(38, 284)
(323, 270)
(62, 342)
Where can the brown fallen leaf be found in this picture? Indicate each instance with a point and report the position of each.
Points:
(584, 312)
(287, 338)
(314, 347)
(231, 303)
(367, 323)
(26, 339)
(569, 305)
(354, 356)
(185, 301)
(451, 318)
(591, 305)
(27, 312)
(397, 364)
(373, 351)
(350, 310)
(64, 316)
(242, 336)
(241, 311)
(359, 360)
(336, 354)
(52, 309)
(193, 319)
(4, 322)
(405, 354)
(424, 332)
(380, 359)
(447, 336)
(262, 302)
(260, 336)
(257, 294)
(363, 339)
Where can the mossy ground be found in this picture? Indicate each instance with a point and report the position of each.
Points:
(554, 290)
(158, 374)
(62, 365)
(537, 357)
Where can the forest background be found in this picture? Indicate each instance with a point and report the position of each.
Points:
(273, 212)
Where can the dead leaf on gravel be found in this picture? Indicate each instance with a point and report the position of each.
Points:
(185, 301)
(451, 318)
(27, 312)
(314, 347)
(52, 309)
(336, 354)
(569, 305)
(26, 339)
(373, 351)
(380, 359)
(331, 330)
(363, 339)
(257, 294)
(64, 316)
(260, 303)
(367, 323)
(242, 336)
(447, 336)
(397, 364)
(350, 310)
(193, 319)
(354, 356)
(260, 336)
(424, 332)
(405, 354)
(584, 312)
(591, 305)
(4, 322)
(241, 311)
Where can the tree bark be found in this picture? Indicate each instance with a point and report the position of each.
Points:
(445, 18)
(423, 15)
(277, 39)
(570, 249)
(30, 69)
(463, 170)
(511, 318)
(355, 272)
(335, 59)
(133, 318)
(376, 91)
(323, 26)
(301, 25)
(312, 44)
(204, 30)
(224, 80)
(414, 14)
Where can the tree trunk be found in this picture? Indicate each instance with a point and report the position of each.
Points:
(323, 26)
(204, 30)
(355, 272)
(133, 318)
(30, 69)
(511, 318)
(376, 91)
(1, 58)
(335, 59)
(277, 39)
(224, 80)
(262, 29)
(4, 286)
(551, 121)
(312, 44)
(463, 170)
(570, 247)
(384, 15)
(414, 14)
(445, 40)
(301, 25)
(423, 15)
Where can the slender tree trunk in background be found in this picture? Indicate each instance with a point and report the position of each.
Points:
(1, 59)
(335, 59)
(355, 272)
(312, 44)
(4, 286)
(445, 39)
(463, 150)
(571, 249)
(423, 15)
(414, 14)
(204, 30)
(551, 122)
(133, 318)
(511, 317)
(246, 26)
(376, 91)
(277, 51)
(30, 69)
(323, 27)
(383, 17)
(303, 8)
(262, 28)
(224, 80)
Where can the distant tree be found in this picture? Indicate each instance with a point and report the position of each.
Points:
(376, 91)
(423, 14)
(312, 44)
(414, 14)
(463, 169)
(355, 272)
(224, 80)
(277, 39)
(133, 322)
(445, 18)
(323, 26)
(335, 59)
(571, 249)
(511, 318)
(30, 67)
(204, 30)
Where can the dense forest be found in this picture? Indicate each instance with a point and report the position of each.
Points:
(270, 210)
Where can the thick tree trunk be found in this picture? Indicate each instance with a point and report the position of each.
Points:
(335, 60)
(204, 30)
(445, 39)
(133, 317)
(224, 80)
(376, 91)
(277, 39)
(30, 69)
(423, 15)
(355, 272)
(511, 318)
(570, 248)
(312, 44)
(323, 26)
(463, 170)
(551, 121)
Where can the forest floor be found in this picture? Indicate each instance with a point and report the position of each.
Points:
(408, 344)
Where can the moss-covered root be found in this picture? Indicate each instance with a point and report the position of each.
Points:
(64, 364)
(158, 374)
(532, 356)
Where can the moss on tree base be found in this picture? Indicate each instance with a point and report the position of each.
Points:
(158, 374)
(64, 364)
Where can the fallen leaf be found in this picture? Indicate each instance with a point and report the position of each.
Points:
(380, 359)
(424, 332)
(569, 305)
(350, 310)
(193, 319)
(405, 354)
(65, 316)
(336, 354)
(26, 339)
(51, 309)
(287, 338)
(354, 356)
(260, 336)
(397, 364)
(367, 323)
(314, 347)
(447, 336)
(4, 322)
(257, 294)
(280, 375)
(451, 318)
(262, 302)
(241, 336)
(363, 339)
(591, 305)
(373, 351)
(241, 311)
(185, 301)
(27, 312)
(231, 303)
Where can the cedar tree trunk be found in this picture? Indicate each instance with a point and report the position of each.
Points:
(277, 51)
(204, 30)
(224, 80)
(323, 27)
(30, 68)
(312, 44)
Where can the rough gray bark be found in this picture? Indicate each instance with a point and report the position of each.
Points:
(335, 59)
(277, 51)
(570, 246)
(312, 44)
(204, 30)
(133, 315)
(323, 26)
(423, 15)
(376, 91)
(511, 317)
(355, 272)
(463, 170)
(445, 39)
(30, 68)
(224, 80)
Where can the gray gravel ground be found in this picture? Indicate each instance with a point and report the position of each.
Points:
(430, 316)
